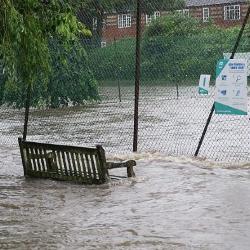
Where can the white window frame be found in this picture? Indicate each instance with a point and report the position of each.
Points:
(94, 23)
(206, 14)
(150, 17)
(232, 12)
(103, 44)
(104, 22)
(184, 12)
(124, 21)
(157, 14)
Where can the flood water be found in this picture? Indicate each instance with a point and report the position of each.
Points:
(175, 202)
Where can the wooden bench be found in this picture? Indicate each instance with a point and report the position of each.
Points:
(80, 164)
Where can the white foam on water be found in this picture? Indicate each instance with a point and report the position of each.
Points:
(184, 160)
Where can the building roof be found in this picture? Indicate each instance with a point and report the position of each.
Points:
(193, 3)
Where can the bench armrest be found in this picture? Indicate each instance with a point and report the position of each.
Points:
(127, 164)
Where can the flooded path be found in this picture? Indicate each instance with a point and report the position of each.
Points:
(173, 203)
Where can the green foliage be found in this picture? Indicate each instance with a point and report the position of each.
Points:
(173, 25)
(178, 47)
(25, 29)
(1, 82)
(25, 26)
(174, 48)
(114, 61)
(70, 81)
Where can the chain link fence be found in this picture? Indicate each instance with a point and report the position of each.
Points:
(177, 47)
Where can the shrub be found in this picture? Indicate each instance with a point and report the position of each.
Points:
(179, 47)
(115, 60)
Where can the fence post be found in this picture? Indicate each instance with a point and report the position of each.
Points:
(177, 90)
(137, 74)
(118, 72)
(232, 56)
(27, 111)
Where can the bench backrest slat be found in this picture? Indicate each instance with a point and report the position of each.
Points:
(68, 163)
(43, 163)
(83, 165)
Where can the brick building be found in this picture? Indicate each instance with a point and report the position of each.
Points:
(225, 13)
(222, 12)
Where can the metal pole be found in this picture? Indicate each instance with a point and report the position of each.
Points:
(119, 87)
(27, 110)
(175, 73)
(177, 90)
(137, 75)
(213, 107)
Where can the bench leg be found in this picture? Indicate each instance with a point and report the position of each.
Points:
(130, 172)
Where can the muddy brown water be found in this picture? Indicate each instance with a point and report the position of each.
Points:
(173, 203)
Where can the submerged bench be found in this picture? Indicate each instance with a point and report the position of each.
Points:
(80, 164)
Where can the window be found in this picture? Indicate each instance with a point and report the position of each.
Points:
(232, 12)
(124, 21)
(148, 19)
(184, 12)
(154, 16)
(205, 15)
(157, 14)
(103, 44)
(94, 23)
(104, 22)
